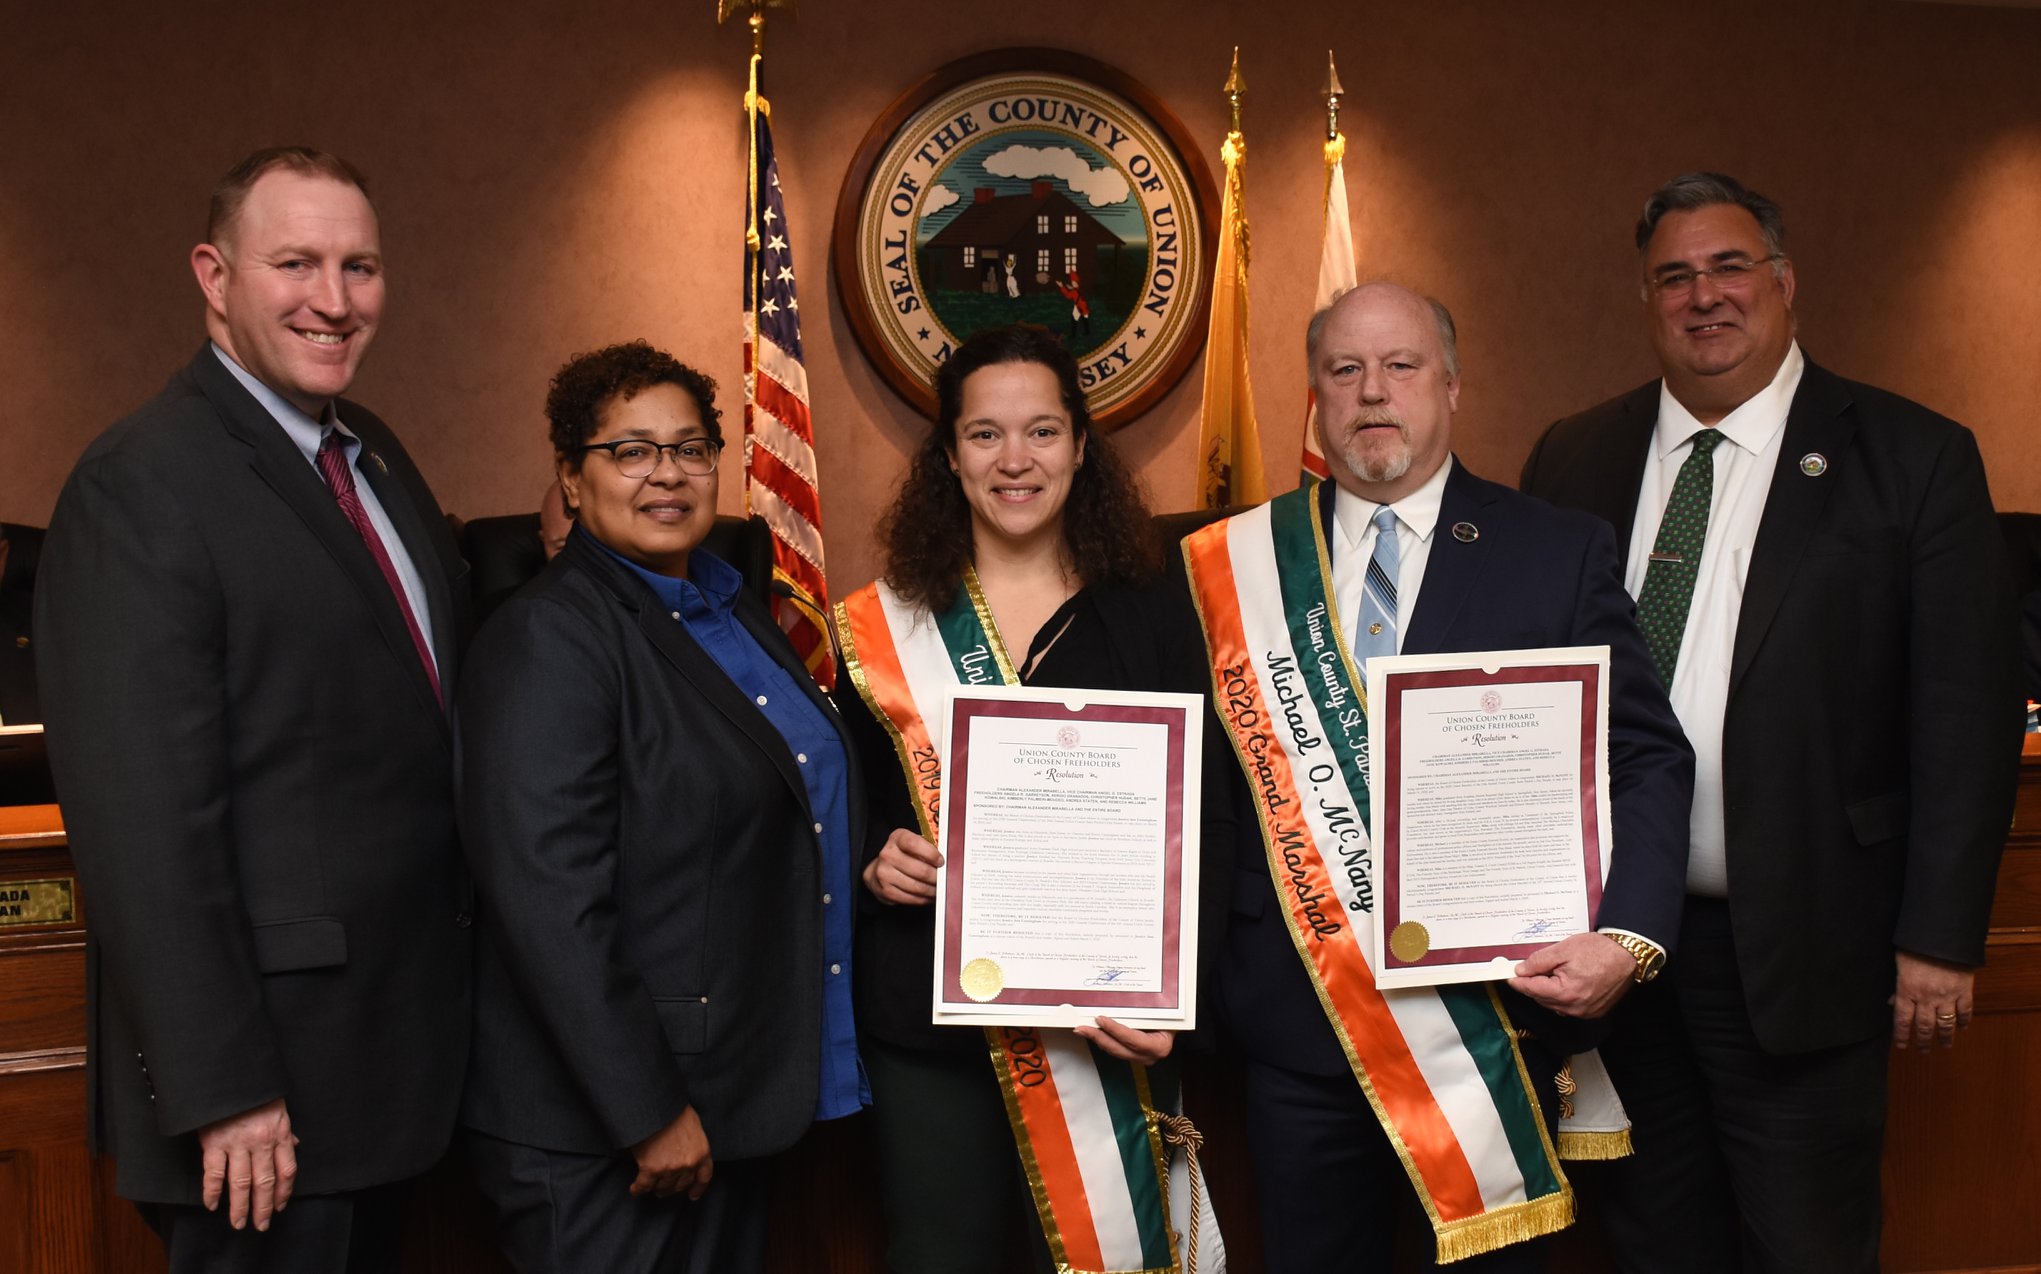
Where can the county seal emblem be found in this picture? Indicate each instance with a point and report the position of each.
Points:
(1036, 186)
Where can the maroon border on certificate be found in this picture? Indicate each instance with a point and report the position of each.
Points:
(963, 710)
(1393, 685)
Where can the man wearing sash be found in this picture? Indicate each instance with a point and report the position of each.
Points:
(1351, 1090)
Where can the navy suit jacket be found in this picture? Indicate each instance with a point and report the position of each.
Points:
(1871, 741)
(1532, 576)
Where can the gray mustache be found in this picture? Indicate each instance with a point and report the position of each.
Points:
(1367, 418)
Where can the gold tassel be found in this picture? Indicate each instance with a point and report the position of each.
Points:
(1501, 1227)
(1563, 1081)
(1580, 1146)
(1178, 1130)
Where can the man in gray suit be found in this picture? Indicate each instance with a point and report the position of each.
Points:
(248, 612)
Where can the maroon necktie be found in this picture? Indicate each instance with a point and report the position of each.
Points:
(339, 477)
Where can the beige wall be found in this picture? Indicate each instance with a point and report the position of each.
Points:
(551, 181)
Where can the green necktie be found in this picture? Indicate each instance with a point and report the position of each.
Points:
(1676, 556)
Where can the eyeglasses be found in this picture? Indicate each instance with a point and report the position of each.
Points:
(1728, 275)
(637, 459)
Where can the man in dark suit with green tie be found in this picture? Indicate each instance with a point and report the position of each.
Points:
(1819, 577)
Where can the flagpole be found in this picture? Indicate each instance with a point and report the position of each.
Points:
(1333, 92)
(1229, 444)
(754, 259)
(781, 481)
(1335, 257)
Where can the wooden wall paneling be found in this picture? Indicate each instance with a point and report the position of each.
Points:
(46, 1216)
(1963, 1142)
(15, 1239)
(124, 1242)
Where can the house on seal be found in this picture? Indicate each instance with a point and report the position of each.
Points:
(1044, 231)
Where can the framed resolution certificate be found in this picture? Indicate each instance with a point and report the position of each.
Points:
(1069, 835)
(1489, 801)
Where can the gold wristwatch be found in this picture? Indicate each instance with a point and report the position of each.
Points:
(1650, 957)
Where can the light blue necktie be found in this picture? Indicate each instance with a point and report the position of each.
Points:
(1376, 634)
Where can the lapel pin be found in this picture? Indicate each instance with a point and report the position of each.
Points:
(1466, 532)
(385, 469)
(1814, 464)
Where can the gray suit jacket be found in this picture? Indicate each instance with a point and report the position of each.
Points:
(258, 785)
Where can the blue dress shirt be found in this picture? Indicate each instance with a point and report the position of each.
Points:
(705, 605)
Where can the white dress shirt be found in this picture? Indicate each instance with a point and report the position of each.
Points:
(1744, 464)
(308, 433)
(1417, 516)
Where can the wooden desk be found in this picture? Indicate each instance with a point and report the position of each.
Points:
(1962, 1164)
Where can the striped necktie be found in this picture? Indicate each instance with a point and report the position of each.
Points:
(1675, 564)
(339, 475)
(1377, 632)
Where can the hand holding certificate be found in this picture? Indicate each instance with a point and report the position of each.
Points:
(1068, 834)
(1489, 790)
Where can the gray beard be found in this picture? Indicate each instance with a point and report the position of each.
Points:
(1385, 470)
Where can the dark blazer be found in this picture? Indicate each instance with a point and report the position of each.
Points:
(2022, 533)
(649, 872)
(1534, 576)
(505, 553)
(257, 781)
(1133, 638)
(1871, 741)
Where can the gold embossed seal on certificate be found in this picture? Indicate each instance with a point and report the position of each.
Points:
(982, 980)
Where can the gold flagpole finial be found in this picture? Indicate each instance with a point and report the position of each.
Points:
(727, 9)
(1236, 88)
(1333, 92)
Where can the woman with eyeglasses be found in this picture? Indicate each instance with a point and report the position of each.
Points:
(1017, 530)
(660, 814)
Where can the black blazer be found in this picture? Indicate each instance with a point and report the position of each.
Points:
(649, 872)
(1534, 576)
(1134, 638)
(257, 781)
(1871, 740)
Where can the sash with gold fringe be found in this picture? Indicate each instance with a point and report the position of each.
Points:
(1093, 1137)
(1439, 1065)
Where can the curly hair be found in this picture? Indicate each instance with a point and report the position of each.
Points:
(927, 531)
(590, 382)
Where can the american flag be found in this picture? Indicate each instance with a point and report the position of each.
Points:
(779, 438)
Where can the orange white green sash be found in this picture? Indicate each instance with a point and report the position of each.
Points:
(1439, 1065)
(1087, 1125)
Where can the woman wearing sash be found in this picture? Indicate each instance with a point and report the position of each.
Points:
(658, 807)
(1018, 531)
